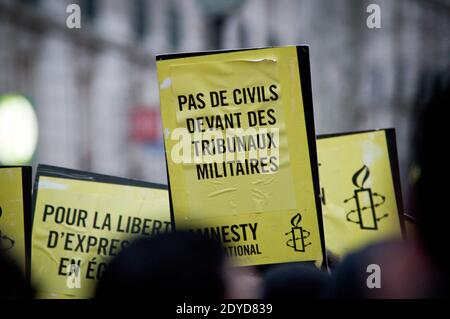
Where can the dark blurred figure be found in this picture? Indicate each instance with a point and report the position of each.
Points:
(177, 264)
(429, 193)
(418, 267)
(13, 284)
(401, 267)
(294, 281)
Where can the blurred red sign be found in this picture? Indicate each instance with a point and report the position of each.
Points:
(145, 124)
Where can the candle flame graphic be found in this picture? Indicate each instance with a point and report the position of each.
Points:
(361, 176)
(295, 221)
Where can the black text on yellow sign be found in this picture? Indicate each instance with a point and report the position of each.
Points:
(81, 220)
(240, 150)
(361, 197)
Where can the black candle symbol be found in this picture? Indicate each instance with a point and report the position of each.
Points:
(297, 234)
(364, 201)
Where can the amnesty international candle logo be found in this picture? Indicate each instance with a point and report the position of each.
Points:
(297, 235)
(240, 149)
(366, 201)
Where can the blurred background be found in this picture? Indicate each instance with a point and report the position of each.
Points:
(94, 89)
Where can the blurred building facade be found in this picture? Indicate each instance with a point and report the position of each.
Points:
(91, 85)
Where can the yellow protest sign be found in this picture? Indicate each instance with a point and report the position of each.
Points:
(361, 198)
(15, 201)
(240, 149)
(81, 220)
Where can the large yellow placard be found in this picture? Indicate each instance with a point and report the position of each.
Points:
(361, 198)
(240, 147)
(12, 214)
(80, 225)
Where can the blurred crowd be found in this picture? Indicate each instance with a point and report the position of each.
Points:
(187, 265)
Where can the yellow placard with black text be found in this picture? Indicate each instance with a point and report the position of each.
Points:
(240, 149)
(359, 180)
(82, 220)
(15, 200)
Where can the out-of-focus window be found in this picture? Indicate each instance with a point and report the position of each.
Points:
(33, 3)
(89, 10)
(174, 27)
(140, 19)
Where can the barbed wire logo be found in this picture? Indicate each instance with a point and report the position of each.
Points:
(298, 235)
(365, 199)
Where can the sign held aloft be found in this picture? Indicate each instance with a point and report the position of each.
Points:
(361, 196)
(241, 154)
(82, 220)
